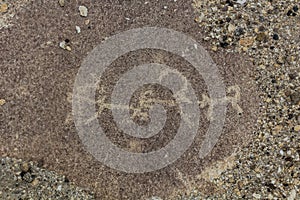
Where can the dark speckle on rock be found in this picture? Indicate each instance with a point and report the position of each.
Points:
(295, 8)
(276, 36)
(239, 31)
(289, 13)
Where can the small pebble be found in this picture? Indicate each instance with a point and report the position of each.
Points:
(276, 36)
(257, 196)
(78, 30)
(2, 102)
(35, 182)
(295, 98)
(214, 48)
(3, 8)
(154, 198)
(281, 152)
(61, 3)
(292, 195)
(289, 13)
(64, 45)
(242, 2)
(25, 167)
(83, 11)
(246, 42)
(59, 188)
(261, 37)
(231, 28)
(239, 31)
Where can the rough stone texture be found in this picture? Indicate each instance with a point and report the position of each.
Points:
(38, 76)
(268, 168)
(25, 180)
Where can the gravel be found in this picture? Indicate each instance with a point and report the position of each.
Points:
(267, 32)
(25, 180)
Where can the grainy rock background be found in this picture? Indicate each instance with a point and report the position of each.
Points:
(41, 40)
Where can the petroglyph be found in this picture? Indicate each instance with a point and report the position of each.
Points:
(181, 94)
(233, 100)
(146, 102)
